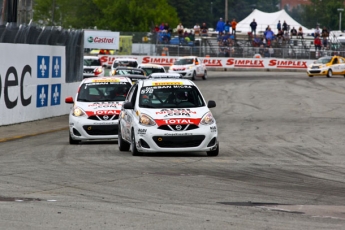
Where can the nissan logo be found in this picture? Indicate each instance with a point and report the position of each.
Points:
(178, 127)
(105, 117)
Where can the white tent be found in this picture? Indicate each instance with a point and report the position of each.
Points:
(264, 19)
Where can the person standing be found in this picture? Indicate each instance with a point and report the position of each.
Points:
(253, 26)
(233, 26)
(180, 30)
(220, 26)
(285, 26)
(197, 29)
(227, 27)
(279, 25)
(204, 29)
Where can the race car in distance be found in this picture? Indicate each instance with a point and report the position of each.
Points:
(152, 68)
(122, 70)
(126, 62)
(96, 108)
(167, 115)
(93, 67)
(327, 66)
(189, 67)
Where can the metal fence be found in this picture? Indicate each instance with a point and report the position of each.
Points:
(73, 40)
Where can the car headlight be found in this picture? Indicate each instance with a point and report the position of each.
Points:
(78, 112)
(146, 120)
(170, 68)
(207, 119)
(98, 70)
(191, 67)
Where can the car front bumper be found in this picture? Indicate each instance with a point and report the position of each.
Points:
(151, 139)
(82, 128)
(186, 73)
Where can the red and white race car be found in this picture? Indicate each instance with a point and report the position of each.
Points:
(189, 67)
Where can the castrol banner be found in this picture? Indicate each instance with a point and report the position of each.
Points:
(245, 63)
(101, 39)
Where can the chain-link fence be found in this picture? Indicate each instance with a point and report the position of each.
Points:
(72, 39)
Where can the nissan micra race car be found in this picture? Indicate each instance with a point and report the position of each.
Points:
(167, 115)
(327, 66)
(96, 108)
(189, 67)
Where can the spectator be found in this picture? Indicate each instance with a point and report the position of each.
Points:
(269, 34)
(324, 32)
(286, 37)
(227, 27)
(156, 29)
(262, 50)
(256, 41)
(279, 25)
(161, 27)
(266, 53)
(253, 26)
(293, 32)
(180, 30)
(167, 28)
(317, 43)
(233, 26)
(271, 51)
(325, 42)
(300, 32)
(317, 31)
(285, 26)
(197, 29)
(204, 29)
(220, 26)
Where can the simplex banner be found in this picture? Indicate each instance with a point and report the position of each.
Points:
(259, 63)
(101, 39)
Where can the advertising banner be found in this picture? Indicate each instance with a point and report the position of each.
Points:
(95, 39)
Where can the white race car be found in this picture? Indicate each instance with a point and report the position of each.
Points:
(167, 115)
(189, 67)
(93, 67)
(96, 108)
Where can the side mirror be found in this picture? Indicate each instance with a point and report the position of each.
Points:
(211, 104)
(69, 100)
(196, 63)
(128, 105)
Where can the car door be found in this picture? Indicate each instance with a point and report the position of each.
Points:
(128, 117)
(335, 66)
(342, 65)
(198, 66)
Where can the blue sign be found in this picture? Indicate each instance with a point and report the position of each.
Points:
(56, 66)
(43, 66)
(42, 96)
(55, 94)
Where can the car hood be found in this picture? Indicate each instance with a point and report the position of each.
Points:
(176, 116)
(101, 108)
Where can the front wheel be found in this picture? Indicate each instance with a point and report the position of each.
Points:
(123, 145)
(205, 76)
(72, 141)
(213, 153)
(311, 75)
(329, 73)
(193, 76)
(134, 149)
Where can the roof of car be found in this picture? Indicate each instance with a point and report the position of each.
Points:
(125, 59)
(119, 78)
(91, 57)
(187, 57)
(169, 81)
(151, 65)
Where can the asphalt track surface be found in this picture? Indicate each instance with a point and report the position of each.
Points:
(281, 166)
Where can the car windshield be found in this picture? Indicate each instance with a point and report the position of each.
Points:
(92, 62)
(103, 91)
(133, 64)
(170, 96)
(129, 72)
(323, 60)
(184, 61)
(149, 70)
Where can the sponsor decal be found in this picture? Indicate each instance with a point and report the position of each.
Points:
(100, 105)
(288, 64)
(142, 131)
(179, 69)
(178, 121)
(105, 123)
(159, 60)
(178, 134)
(245, 63)
(56, 67)
(55, 94)
(43, 66)
(107, 80)
(100, 40)
(213, 129)
(166, 83)
(103, 112)
(212, 62)
(176, 112)
(42, 96)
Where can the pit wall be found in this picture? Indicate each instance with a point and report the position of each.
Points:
(231, 63)
(32, 83)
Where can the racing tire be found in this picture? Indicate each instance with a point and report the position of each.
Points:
(123, 145)
(313, 76)
(205, 76)
(134, 149)
(193, 76)
(329, 73)
(213, 153)
(72, 141)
